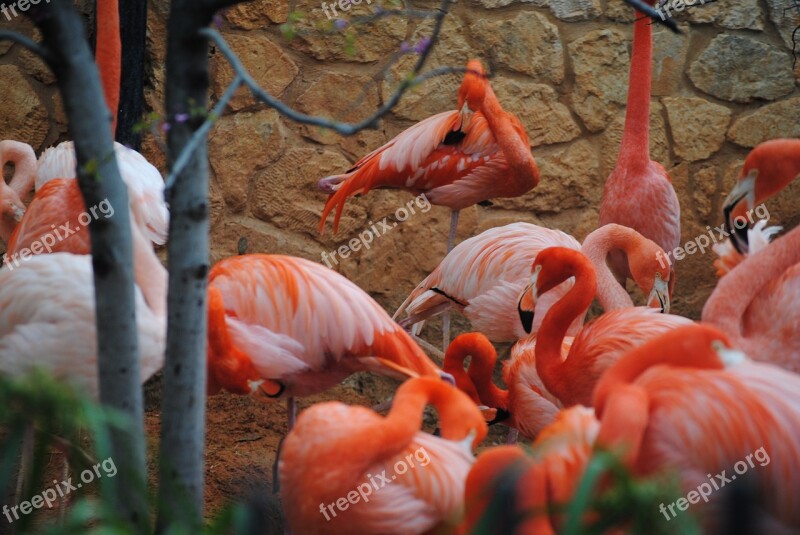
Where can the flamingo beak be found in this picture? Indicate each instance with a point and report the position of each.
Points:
(743, 191)
(659, 295)
(527, 302)
(728, 356)
(447, 378)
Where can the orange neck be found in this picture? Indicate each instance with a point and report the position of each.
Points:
(634, 149)
(478, 382)
(108, 54)
(554, 372)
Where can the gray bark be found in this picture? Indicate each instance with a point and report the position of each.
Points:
(72, 62)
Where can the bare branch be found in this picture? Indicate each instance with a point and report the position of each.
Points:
(27, 42)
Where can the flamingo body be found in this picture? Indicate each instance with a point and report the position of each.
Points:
(302, 325)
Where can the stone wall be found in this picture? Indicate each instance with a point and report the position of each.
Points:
(723, 86)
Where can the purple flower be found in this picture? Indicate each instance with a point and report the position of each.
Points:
(340, 24)
(165, 127)
(181, 117)
(405, 47)
(422, 45)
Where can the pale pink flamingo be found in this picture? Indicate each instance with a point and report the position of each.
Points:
(337, 453)
(638, 193)
(456, 158)
(13, 193)
(483, 276)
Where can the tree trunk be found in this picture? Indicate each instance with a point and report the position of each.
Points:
(133, 30)
(99, 179)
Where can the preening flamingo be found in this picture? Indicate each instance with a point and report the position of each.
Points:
(756, 304)
(639, 193)
(289, 327)
(484, 275)
(758, 238)
(347, 470)
(686, 402)
(456, 158)
(571, 378)
(509, 491)
(12, 194)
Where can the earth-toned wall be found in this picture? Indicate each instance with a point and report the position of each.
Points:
(723, 86)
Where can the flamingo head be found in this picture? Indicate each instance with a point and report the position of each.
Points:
(650, 269)
(473, 87)
(768, 169)
(551, 267)
(11, 206)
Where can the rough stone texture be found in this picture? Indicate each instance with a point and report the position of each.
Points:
(619, 11)
(669, 58)
(575, 10)
(260, 140)
(257, 14)
(786, 18)
(659, 146)
(698, 126)
(741, 69)
(601, 62)
(546, 120)
(768, 122)
(536, 51)
(266, 62)
(436, 94)
(23, 116)
(731, 14)
(317, 37)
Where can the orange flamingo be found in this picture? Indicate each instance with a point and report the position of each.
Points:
(12, 209)
(686, 402)
(340, 467)
(639, 193)
(456, 158)
(529, 485)
(289, 327)
(756, 303)
(599, 344)
(484, 275)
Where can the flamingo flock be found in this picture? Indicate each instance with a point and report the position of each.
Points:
(665, 396)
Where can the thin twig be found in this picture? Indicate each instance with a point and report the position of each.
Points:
(27, 42)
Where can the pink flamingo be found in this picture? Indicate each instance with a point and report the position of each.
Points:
(686, 402)
(639, 193)
(756, 303)
(12, 209)
(345, 469)
(456, 158)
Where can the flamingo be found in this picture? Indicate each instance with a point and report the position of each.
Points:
(758, 237)
(570, 378)
(522, 486)
(24, 160)
(456, 158)
(285, 327)
(336, 452)
(484, 275)
(686, 402)
(756, 303)
(58, 203)
(639, 193)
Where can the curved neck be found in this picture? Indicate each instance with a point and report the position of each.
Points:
(513, 142)
(552, 370)
(729, 301)
(481, 367)
(25, 166)
(610, 293)
(634, 150)
(108, 54)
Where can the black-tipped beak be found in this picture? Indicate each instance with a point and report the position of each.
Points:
(502, 415)
(738, 235)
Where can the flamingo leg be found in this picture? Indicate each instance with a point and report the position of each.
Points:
(451, 242)
(513, 434)
(291, 412)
